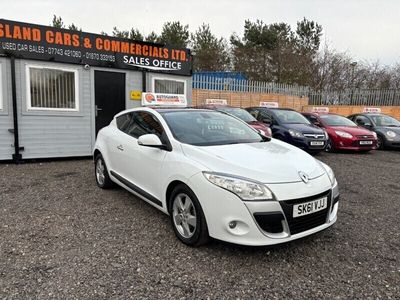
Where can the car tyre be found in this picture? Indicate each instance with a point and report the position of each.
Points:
(329, 146)
(101, 173)
(187, 217)
(380, 143)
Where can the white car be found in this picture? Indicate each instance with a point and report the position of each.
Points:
(216, 176)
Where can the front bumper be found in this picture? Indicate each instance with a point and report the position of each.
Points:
(392, 143)
(309, 144)
(354, 144)
(222, 207)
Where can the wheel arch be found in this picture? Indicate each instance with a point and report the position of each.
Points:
(169, 190)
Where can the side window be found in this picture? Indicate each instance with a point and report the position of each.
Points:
(124, 121)
(254, 113)
(361, 120)
(312, 119)
(264, 115)
(144, 123)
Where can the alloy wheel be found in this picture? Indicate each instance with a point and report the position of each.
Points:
(100, 176)
(184, 215)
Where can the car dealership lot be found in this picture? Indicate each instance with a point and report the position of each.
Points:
(62, 237)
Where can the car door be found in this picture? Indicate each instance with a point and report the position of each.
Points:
(143, 164)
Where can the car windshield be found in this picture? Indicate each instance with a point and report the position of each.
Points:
(387, 121)
(290, 117)
(336, 120)
(238, 112)
(209, 128)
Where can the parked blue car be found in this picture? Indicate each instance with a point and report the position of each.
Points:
(292, 127)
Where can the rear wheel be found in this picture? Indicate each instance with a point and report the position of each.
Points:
(101, 173)
(187, 217)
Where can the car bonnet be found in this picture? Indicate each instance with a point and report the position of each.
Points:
(268, 162)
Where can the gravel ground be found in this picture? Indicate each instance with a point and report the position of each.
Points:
(62, 237)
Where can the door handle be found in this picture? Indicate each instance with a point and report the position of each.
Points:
(97, 109)
(120, 147)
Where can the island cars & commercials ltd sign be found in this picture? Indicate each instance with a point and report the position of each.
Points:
(38, 42)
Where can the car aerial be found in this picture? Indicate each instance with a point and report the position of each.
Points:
(215, 176)
(386, 128)
(343, 133)
(290, 126)
(241, 114)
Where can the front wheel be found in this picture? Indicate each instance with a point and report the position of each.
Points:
(380, 143)
(187, 217)
(329, 146)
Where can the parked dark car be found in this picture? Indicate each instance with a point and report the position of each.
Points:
(343, 133)
(292, 127)
(241, 114)
(386, 128)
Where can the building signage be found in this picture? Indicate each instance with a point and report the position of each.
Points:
(30, 41)
(158, 99)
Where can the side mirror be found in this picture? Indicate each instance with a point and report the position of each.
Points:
(316, 123)
(151, 140)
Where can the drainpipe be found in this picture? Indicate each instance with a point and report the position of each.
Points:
(17, 157)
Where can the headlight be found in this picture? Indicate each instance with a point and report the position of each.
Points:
(343, 134)
(329, 172)
(295, 133)
(244, 189)
(375, 135)
(391, 134)
(326, 135)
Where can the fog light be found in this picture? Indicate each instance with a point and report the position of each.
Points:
(232, 224)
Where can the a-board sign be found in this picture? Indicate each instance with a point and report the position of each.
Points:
(217, 101)
(158, 99)
(31, 41)
(372, 110)
(269, 104)
(320, 109)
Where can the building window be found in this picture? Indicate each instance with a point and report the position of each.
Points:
(52, 89)
(168, 86)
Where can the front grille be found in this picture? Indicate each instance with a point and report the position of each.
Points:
(314, 136)
(270, 222)
(300, 224)
(365, 136)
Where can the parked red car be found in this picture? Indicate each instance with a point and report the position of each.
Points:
(343, 133)
(242, 114)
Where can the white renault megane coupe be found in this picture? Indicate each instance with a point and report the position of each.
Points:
(216, 176)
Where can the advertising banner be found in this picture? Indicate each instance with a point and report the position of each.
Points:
(217, 101)
(269, 104)
(320, 109)
(157, 99)
(372, 110)
(30, 41)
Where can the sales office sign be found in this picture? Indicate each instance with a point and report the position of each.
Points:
(30, 41)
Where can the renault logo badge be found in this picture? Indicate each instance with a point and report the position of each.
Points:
(303, 176)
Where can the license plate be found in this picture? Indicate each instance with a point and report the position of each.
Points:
(314, 143)
(365, 142)
(307, 208)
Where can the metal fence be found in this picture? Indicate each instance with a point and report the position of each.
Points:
(249, 86)
(365, 97)
(390, 97)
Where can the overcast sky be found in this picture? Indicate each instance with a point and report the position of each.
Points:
(367, 30)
